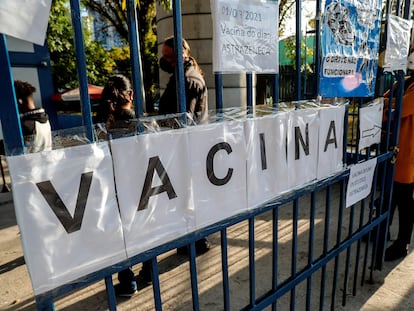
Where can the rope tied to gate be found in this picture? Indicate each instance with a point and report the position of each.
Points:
(395, 151)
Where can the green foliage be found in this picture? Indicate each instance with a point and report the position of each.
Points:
(121, 58)
(306, 53)
(62, 53)
(113, 13)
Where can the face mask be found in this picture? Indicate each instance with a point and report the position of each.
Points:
(166, 66)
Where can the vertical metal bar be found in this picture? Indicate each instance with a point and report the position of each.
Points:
(156, 284)
(276, 91)
(294, 250)
(225, 270)
(110, 293)
(345, 138)
(9, 112)
(317, 50)
(298, 49)
(45, 305)
(310, 249)
(338, 240)
(135, 57)
(252, 263)
(249, 91)
(193, 274)
(358, 251)
(81, 66)
(348, 257)
(275, 227)
(325, 245)
(179, 67)
(218, 78)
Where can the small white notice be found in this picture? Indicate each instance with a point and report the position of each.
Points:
(26, 20)
(360, 181)
(370, 123)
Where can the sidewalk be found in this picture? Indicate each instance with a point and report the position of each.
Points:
(392, 289)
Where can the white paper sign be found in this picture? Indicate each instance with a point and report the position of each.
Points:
(153, 180)
(370, 122)
(266, 158)
(218, 166)
(331, 133)
(25, 19)
(67, 213)
(245, 34)
(360, 181)
(303, 140)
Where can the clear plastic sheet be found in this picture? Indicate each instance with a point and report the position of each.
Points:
(398, 44)
(171, 178)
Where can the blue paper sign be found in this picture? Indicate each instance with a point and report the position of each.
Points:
(350, 41)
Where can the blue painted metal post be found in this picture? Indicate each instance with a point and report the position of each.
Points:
(298, 49)
(249, 91)
(225, 270)
(81, 66)
(135, 55)
(179, 67)
(276, 91)
(218, 79)
(9, 112)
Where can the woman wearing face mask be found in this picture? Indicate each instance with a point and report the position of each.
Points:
(195, 86)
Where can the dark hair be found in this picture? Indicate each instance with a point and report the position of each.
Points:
(117, 90)
(169, 41)
(23, 90)
(116, 93)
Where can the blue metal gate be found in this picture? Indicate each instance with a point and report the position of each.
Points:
(315, 214)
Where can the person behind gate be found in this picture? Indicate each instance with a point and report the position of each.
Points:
(196, 95)
(116, 112)
(403, 188)
(34, 121)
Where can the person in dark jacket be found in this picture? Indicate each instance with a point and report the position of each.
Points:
(195, 86)
(34, 121)
(196, 105)
(195, 94)
(116, 111)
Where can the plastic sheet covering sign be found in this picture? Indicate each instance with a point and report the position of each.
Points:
(153, 179)
(350, 40)
(218, 166)
(67, 213)
(266, 158)
(303, 140)
(370, 123)
(398, 44)
(245, 36)
(26, 20)
(331, 135)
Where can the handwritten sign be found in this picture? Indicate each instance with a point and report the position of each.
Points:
(370, 119)
(360, 181)
(245, 36)
(26, 20)
(350, 42)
